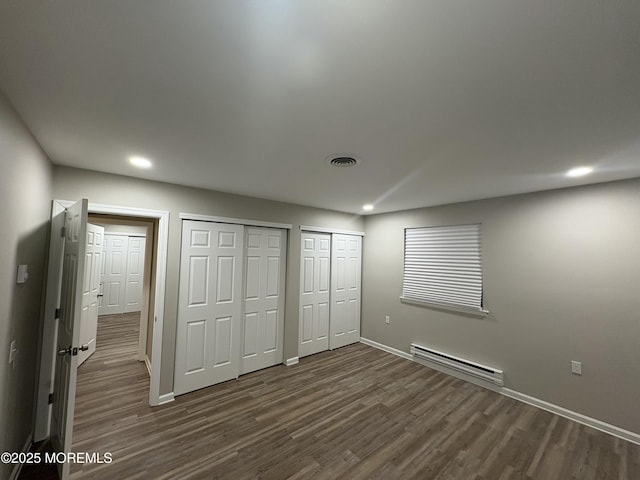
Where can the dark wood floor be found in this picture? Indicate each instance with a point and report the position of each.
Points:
(116, 345)
(110, 383)
(352, 413)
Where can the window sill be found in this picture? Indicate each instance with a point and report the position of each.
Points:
(447, 307)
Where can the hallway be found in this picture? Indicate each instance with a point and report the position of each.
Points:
(112, 385)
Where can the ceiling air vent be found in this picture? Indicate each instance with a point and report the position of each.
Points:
(343, 161)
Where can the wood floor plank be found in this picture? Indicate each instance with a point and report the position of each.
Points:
(355, 413)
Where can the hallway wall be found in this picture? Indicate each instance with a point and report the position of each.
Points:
(25, 195)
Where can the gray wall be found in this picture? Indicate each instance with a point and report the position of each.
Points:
(25, 194)
(72, 184)
(562, 282)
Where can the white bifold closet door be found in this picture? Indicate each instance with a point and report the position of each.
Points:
(263, 318)
(231, 302)
(122, 274)
(209, 305)
(135, 272)
(330, 291)
(114, 274)
(346, 261)
(315, 278)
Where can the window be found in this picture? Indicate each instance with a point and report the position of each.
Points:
(443, 267)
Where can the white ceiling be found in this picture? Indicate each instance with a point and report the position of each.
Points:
(441, 100)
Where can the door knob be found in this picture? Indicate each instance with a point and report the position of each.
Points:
(63, 351)
(73, 351)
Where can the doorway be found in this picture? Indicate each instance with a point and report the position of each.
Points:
(126, 277)
(48, 354)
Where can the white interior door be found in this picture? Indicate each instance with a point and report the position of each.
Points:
(90, 288)
(263, 318)
(209, 305)
(346, 261)
(314, 293)
(135, 271)
(50, 325)
(115, 274)
(68, 334)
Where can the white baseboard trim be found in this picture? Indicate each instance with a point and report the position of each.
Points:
(147, 362)
(166, 398)
(536, 402)
(385, 348)
(15, 473)
(291, 361)
(571, 415)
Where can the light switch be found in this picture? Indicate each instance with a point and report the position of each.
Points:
(13, 349)
(576, 367)
(23, 273)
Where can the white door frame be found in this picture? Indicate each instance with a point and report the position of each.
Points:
(45, 380)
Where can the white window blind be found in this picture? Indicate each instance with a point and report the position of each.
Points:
(443, 266)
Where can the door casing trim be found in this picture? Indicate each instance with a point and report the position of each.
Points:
(45, 380)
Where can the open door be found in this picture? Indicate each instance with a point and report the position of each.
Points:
(68, 338)
(90, 291)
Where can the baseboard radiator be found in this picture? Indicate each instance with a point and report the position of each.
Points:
(468, 367)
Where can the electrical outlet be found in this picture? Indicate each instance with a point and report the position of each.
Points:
(387, 319)
(576, 367)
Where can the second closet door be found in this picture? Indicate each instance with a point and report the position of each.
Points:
(263, 319)
(314, 293)
(135, 272)
(114, 274)
(346, 261)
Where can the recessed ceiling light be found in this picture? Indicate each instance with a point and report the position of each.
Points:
(579, 171)
(368, 207)
(140, 162)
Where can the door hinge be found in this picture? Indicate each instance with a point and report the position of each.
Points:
(50, 398)
(58, 314)
(63, 232)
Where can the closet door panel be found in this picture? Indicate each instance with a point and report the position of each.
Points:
(346, 262)
(263, 338)
(135, 272)
(114, 276)
(209, 305)
(315, 279)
